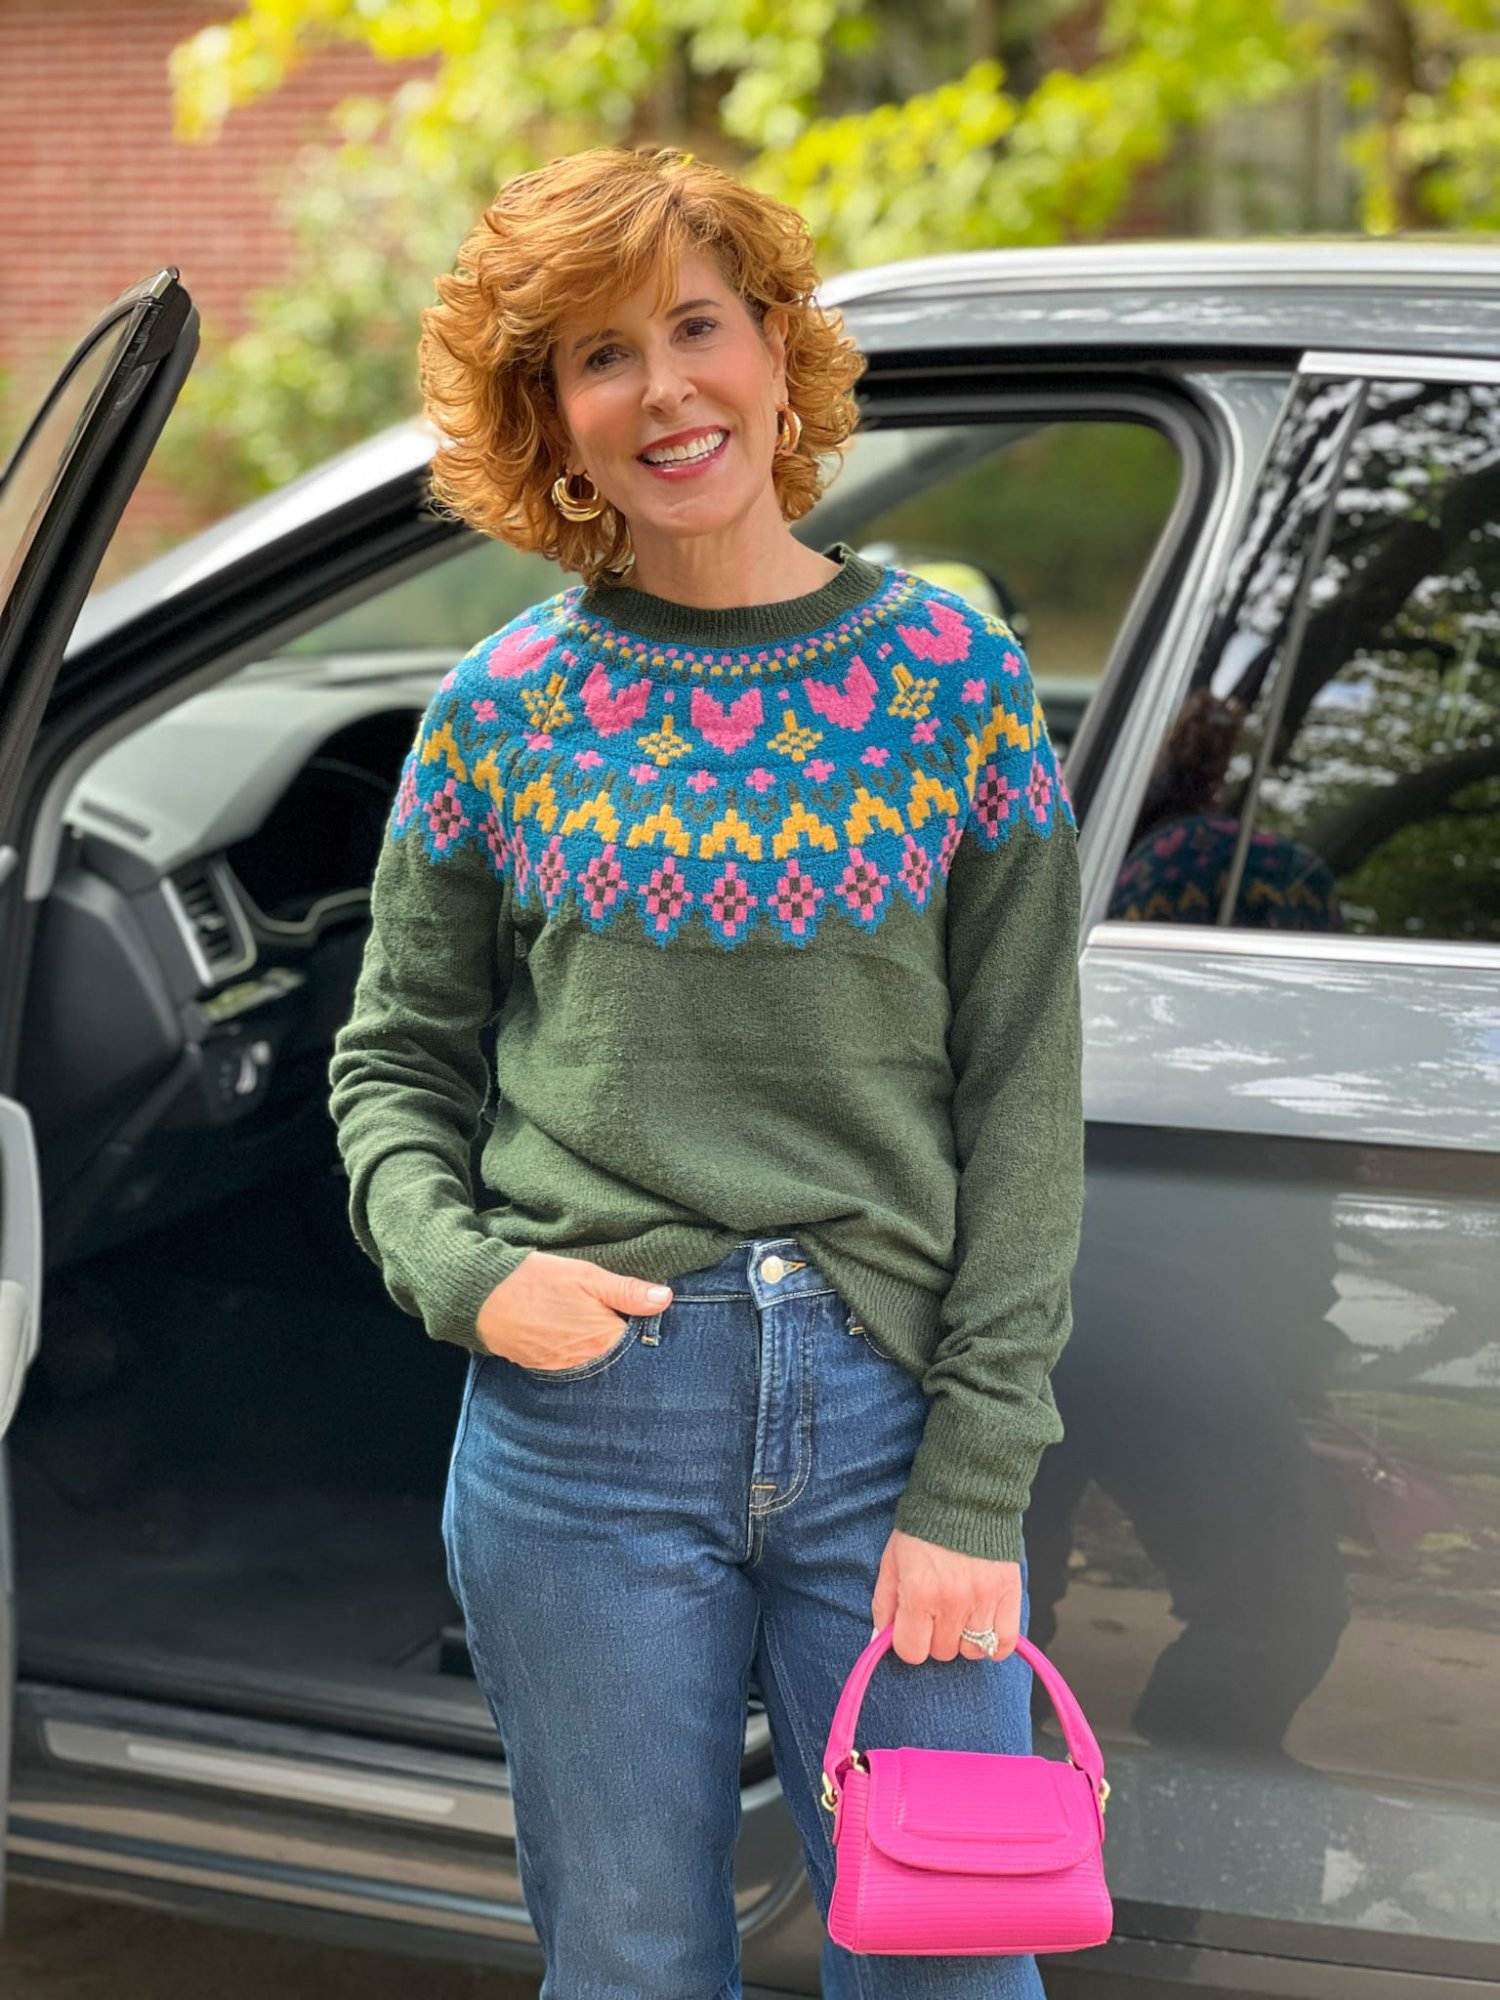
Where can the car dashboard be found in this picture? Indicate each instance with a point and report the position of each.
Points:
(199, 949)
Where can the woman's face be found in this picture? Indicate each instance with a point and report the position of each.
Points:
(635, 378)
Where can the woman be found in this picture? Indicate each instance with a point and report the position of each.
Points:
(1187, 836)
(764, 859)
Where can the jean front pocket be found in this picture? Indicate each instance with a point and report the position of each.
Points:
(854, 1325)
(597, 1363)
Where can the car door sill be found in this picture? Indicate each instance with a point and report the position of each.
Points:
(400, 1710)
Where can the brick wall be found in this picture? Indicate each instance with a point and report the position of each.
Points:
(95, 193)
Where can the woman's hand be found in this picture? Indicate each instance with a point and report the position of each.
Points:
(932, 1592)
(559, 1312)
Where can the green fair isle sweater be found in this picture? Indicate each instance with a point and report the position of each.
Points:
(777, 907)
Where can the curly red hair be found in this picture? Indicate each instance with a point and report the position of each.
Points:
(571, 236)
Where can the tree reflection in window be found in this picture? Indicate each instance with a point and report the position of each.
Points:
(1376, 802)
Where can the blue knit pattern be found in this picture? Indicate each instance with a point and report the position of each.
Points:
(741, 788)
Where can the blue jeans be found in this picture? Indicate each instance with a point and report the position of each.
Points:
(628, 1540)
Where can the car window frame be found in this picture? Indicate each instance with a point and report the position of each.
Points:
(1169, 403)
(1356, 367)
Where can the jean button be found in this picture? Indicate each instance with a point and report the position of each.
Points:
(771, 1268)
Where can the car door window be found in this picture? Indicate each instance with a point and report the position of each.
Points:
(1051, 521)
(34, 472)
(1335, 765)
(439, 613)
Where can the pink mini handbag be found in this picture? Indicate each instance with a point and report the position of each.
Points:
(966, 1850)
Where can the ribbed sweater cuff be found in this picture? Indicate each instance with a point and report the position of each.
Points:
(439, 1264)
(960, 1490)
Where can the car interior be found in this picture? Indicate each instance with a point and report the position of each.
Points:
(228, 1464)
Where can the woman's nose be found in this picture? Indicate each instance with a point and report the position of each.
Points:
(666, 383)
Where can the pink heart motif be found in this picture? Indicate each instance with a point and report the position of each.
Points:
(729, 730)
(848, 705)
(520, 653)
(950, 641)
(612, 711)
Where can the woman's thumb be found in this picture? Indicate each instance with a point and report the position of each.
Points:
(637, 1295)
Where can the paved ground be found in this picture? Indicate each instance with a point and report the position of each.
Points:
(59, 1947)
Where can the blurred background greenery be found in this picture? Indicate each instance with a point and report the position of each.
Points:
(897, 127)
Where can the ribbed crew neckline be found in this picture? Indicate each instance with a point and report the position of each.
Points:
(647, 616)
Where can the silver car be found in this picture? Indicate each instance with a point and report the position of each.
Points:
(1243, 504)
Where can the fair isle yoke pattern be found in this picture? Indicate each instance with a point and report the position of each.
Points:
(740, 787)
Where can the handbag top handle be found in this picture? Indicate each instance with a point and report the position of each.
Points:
(1083, 1749)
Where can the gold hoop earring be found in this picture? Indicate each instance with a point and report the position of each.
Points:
(576, 510)
(792, 432)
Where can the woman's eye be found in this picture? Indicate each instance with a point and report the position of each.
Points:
(601, 352)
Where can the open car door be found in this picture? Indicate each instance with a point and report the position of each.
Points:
(61, 497)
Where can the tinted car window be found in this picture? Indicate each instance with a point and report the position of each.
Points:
(1336, 763)
(1050, 522)
(442, 611)
(1062, 515)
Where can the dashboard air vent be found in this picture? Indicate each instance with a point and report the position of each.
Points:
(213, 924)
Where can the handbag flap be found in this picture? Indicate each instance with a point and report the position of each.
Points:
(972, 1812)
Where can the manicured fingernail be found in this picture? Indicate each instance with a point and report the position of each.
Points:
(661, 1291)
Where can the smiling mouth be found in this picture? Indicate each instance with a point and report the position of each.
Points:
(699, 456)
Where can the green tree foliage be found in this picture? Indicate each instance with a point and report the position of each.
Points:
(896, 126)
